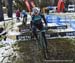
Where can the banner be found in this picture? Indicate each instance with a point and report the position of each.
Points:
(54, 35)
(10, 12)
(58, 27)
(32, 3)
(72, 24)
(27, 4)
(1, 11)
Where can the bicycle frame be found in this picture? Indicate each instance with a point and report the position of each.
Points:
(43, 43)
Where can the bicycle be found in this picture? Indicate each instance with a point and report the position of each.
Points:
(43, 43)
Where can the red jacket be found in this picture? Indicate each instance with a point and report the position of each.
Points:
(17, 13)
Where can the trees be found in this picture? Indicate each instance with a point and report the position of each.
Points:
(20, 4)
(1, 11)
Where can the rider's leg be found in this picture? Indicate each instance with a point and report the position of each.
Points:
(38, 44)
(24, 20)
(43, 35)
(34, 31)
(18, 19)
(40, 27)
(45, 45)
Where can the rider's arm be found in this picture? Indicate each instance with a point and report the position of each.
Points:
(44, 19)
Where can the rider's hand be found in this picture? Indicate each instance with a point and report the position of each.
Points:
(46, 27)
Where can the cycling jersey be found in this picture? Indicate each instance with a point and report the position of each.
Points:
(36, 19)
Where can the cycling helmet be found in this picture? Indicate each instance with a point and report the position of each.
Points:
(36, 10)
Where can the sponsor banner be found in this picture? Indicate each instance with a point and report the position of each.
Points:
(1, 12)
(51, 18)
(58, 19)
(10, 12)
(24, 30)
(67, 33)
(53, 27)
(72, 24)
(62, 34)
(48, 35)
(58, 27)
(23, 37)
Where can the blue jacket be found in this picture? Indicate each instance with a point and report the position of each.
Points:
(24, 14)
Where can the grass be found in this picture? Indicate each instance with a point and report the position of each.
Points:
(62, 49)
(1, 46)
(59, 49)
(2, 37)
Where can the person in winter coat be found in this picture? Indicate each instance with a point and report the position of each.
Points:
(18, 14)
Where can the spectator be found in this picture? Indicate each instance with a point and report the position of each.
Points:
(18, 14)
(24, 16)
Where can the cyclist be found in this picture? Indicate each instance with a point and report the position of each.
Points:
(36, 22)
(24, 15)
